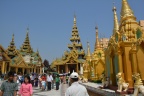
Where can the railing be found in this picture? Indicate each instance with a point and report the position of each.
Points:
(102, 92)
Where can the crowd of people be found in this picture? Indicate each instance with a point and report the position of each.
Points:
(9, 87)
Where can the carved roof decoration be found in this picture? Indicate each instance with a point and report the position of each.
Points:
(25, 57)
(3, 54)
(76, 53)
(11, 50)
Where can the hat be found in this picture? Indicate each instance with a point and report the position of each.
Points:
(74, 75)
(15, 74)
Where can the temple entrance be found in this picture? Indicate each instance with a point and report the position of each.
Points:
(19, 70)
(61, 68)
(72, 67)
(12, 69)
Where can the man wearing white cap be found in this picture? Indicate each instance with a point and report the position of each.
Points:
(75, 89)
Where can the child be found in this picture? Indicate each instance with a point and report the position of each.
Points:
(26, 87)
(43, 82)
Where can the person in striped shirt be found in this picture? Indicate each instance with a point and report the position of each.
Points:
(9, 87)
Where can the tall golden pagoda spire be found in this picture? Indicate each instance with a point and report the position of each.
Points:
(11, 51)
(116, 24)
(97, 44)
(126, 10)
(88, 49)
(75, 40)
(128, 23)
(26, 47)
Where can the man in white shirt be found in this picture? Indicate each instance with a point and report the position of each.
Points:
(76, 89)
(32, 79)
(49, 81)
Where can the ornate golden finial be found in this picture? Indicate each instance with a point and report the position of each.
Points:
(88, 49)
(12, 42)
(74, 19)
(97, 45)
(13, 38)
(27, 31)
(126, 10)
(116, 24)
(37, 51)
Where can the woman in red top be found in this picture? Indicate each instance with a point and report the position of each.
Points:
(26, 87)
(45, 77)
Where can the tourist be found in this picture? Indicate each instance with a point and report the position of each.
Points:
(32, 77)
(61, 78)
(49, 80)
(67, 77)
(43, 83)
(64, 78)
(57, 80)
(9, 87)
(20, 77)
(26, 87)
(16, 78)
(75, 89)
(40, 79)
(53, 81)
(36, 82)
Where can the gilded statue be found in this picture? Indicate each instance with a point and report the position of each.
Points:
(84, 80)
(138, 84)
(104, 80)
(85, 66)
(121, 83)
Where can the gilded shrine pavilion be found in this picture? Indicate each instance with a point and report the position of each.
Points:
(94, 66)
(71, 60)
(125, 51)
(24, 60)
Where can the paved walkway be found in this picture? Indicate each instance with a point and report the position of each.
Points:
(53, 92)
(38, 92)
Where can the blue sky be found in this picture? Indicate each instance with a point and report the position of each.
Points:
(50, 22)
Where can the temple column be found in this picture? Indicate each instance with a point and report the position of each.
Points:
(134, 62)
(120, 63)
(16, 70)
(9, 68)
(111, 66)
(31, 70)
(77, 68)
(34, 70)
(112, 71)
(37, 70)
(3, 66)
(28, 70)
(5, 69)
(128, 66)
(66, 68)
(40, 70)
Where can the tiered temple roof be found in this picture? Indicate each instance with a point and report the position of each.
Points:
(25, 54)
(26, 47)
(75, 53)
(11, 50)
(76, 42)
